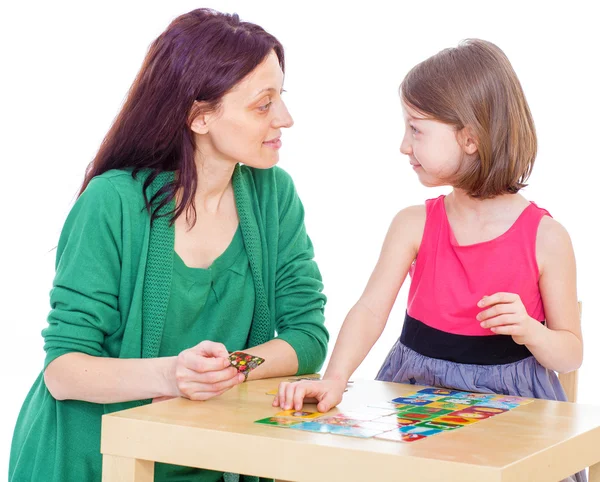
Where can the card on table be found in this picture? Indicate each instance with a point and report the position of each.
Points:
(420, 430)
(350, 431)
(397, 436)
(299, 414)
(244, 362)
(420, 401)
(439, 391)
(278, 421)
(396, 420)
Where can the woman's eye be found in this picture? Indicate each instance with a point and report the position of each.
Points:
(265, 107)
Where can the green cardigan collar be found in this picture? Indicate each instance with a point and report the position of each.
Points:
(159, 268)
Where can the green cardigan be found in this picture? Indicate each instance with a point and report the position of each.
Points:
(110, 297)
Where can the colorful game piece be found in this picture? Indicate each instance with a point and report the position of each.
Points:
(278, 421)
(299, 414)
(244, 362)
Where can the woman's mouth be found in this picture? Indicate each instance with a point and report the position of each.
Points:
(273, 143)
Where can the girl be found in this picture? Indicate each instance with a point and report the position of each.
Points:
(174, 254)
(492, 305)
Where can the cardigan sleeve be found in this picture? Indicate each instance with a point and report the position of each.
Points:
(299, 301)
(84, 296)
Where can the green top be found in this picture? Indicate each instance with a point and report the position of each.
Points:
(111, 293)
(204, 305)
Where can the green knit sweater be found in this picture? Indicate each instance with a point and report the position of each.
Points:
(110, 298)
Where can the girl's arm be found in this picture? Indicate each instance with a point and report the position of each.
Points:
(559, 345)
(366, 320)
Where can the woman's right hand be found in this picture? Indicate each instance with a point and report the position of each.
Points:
(326, 393)
(204, 371)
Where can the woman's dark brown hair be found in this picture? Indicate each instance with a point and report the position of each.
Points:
(474, 86)
(199, 57)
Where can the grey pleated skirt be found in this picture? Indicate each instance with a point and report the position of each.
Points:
(524, 378)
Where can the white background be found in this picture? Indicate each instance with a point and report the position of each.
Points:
(67, 67)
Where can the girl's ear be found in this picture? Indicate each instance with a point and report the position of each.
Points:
(468, 140)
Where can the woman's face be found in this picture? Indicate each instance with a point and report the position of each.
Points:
(247, 126)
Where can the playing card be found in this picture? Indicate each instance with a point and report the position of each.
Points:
(278, 421)
(244, 362)
(439, 391)
(397, 436)
(419, 430)
(299, 414)
(413, 400)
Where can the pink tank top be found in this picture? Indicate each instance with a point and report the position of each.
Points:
(448, 279)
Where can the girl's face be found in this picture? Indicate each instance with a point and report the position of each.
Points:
(247, 126)
(433, 148)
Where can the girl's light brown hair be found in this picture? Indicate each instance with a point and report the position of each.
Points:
(474, 86)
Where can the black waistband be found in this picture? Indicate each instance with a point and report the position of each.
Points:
(477, 350)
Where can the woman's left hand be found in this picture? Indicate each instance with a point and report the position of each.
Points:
(506, 315)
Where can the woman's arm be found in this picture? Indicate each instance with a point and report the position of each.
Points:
(198, 373)
(85, 314)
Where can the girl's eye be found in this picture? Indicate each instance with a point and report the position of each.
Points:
(414, 129)
(265, 107)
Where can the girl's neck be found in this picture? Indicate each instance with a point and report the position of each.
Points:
(464, 206)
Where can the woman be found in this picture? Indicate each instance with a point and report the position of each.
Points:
(175, 255)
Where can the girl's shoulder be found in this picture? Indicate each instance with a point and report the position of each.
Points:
(409, 224)
(552, 237)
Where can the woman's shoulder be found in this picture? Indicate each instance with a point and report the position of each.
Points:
(117, 186)
(269, 184)
(273, 175)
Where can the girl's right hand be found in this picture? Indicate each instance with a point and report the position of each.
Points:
(204, 371)
(326, 393)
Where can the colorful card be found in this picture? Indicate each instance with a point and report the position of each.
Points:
(460, 401)
(479, 413)
(448, 406)
(342, 421)
(454, 420)
(420, 401)
(311, 427)
(397, 436)
(278, 421)
(438, 426)
(244, 362)
(302, 414)
(424, 413)
(390, 405)
(420, 430)
(335, 429)
(439, 391)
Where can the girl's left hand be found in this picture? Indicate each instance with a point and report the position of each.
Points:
(506, 315)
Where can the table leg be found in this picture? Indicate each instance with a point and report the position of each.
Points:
(123, 469)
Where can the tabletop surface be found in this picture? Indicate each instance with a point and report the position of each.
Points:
(545, 428)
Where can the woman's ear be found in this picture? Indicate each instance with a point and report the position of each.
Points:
(199, 118)
(468, 141)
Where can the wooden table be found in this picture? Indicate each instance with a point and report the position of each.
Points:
(541, 441)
